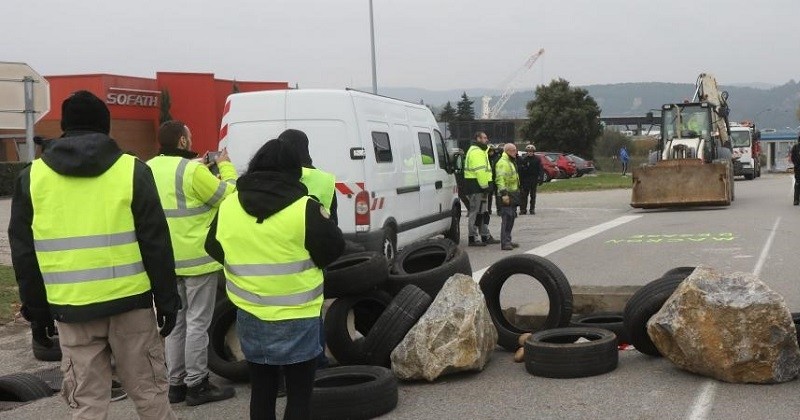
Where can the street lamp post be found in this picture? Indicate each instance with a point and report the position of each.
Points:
(372, 42)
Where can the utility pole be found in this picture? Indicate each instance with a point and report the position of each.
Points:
(372, 41)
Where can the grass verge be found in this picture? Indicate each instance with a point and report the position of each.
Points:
(593, 182)
(9, 294)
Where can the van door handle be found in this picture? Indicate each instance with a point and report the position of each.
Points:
(438, 185)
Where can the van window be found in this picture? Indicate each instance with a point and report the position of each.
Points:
(383, 148)
(441, 150)
(425, 148)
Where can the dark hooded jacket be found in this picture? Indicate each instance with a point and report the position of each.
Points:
(298, 141)
(262, 194)
(90, 154)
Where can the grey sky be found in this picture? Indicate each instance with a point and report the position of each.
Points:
(432, 44)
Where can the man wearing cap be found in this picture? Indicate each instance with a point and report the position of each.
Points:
(191, 195)
(90, 248)
(530, 174)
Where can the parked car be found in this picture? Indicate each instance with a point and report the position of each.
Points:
(582, 165)
(549, 168)
(565, 165)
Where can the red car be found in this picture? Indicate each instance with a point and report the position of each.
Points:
(549, 168)
(565, 164)
(582, 165)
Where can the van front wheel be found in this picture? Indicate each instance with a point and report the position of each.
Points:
(389, 244)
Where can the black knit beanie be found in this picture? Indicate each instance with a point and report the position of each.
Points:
(297, 140)
(82, 111)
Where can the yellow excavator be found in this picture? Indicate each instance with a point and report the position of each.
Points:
(693, 164)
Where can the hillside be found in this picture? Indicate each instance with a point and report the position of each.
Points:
(773, 107)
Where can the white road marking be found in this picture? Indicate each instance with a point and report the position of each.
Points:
(705, 398)
(568, 240)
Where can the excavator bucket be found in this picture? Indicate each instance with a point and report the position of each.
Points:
(681, 183)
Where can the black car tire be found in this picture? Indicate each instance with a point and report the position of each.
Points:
(356, 273)
(796, 320)
(353, 392)
(555, 283)
(611, 321)
(366, 309)
(428, 265)
(645, 303)
(454, 232)
(684, 271)
(556, 354)
(23, 387)
(220, 358)
(394, 323)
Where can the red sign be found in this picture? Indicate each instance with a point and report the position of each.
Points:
(133, 97)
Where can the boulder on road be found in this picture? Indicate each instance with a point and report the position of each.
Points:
(728, 326)
(455, 334)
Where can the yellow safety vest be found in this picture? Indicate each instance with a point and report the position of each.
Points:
(187, 216)
(84, 235)
(269, 272)
(320, 184)
(506, 175)
(477, 166)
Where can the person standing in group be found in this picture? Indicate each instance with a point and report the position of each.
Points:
(90, 246)
(794, 156)
(477, 178)
(507, 182)
(190, 195)
(273, 241)
(494, 153)
(624, 158)
(530, 175)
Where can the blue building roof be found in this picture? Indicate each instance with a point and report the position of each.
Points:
(780, 135)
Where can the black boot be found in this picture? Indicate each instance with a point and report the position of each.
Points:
(488, 240)
(177, 393)
(473, 241)
(205, 392)
(796, 193)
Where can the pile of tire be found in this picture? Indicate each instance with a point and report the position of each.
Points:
(645, 303)
(558, 348)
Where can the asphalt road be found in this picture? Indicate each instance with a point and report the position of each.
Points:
(596, 238)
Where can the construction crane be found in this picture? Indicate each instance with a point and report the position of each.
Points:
(492, 113)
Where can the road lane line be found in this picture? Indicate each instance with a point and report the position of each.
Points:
(559, 244)
(705, 399)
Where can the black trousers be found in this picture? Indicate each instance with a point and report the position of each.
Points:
(796, 187)
(264, 390)
(528, 187)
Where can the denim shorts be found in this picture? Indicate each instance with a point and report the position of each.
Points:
(278, 342)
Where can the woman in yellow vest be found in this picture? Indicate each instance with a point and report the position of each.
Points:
(273, 241)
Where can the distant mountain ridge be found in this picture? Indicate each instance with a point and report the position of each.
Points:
(770, 106)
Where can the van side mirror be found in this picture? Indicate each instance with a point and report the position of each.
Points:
(456, 162)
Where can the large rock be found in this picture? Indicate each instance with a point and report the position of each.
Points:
(455, 334)
(731, 327)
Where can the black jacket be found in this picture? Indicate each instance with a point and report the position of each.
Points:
(262, 194)
(85, 154)
(794, 156)
(530, 167)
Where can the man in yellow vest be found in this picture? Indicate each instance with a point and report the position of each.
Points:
(90, 248)
(477, 179)
(191, 195)
(274, 241)
(507, 182)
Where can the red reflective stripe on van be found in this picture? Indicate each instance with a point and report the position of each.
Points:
(223, 131)
(360, 185)
(226, 109)
(380, 204)
(374, 204)
(343, 188)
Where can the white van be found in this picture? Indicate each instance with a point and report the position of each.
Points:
(394, 177)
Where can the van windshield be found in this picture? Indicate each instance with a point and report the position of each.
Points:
(740, 138)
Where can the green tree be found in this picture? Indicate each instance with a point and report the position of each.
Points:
(166, 104)
(448, 115)
(563, 119)
(610, 142)
(464, 109)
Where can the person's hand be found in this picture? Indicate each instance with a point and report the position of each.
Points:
(42, 331)
(506, 200)
(223, 156)
(166, 322)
